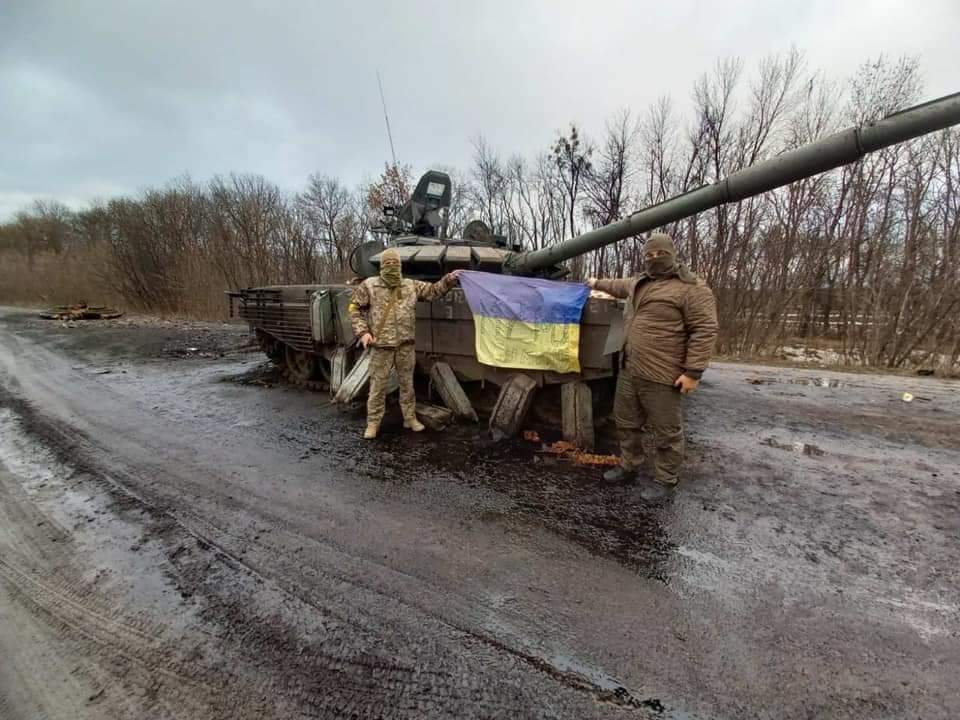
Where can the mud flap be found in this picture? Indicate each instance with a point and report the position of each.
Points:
(338, 368)
(357, 380)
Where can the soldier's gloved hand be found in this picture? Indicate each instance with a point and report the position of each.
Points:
(591, 283)
(686, 384)
(454, 274)
(366, 339)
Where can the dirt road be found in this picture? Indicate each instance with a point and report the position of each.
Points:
(177, 542)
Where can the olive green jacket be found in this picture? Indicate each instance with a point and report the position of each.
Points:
(670, 324)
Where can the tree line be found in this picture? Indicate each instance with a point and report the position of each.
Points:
(865, 256)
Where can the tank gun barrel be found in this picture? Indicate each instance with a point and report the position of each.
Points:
(830, 152)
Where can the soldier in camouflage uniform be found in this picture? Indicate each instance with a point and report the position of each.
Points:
(670, 324)
(389, 331)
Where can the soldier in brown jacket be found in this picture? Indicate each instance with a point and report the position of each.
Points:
(389, 330)
(670, 326)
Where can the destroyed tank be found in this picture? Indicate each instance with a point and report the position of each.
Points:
(306, 328)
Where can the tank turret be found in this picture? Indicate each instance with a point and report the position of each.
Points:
(419, 231)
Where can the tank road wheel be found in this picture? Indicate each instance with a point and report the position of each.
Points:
(271, 347)
(304, 368)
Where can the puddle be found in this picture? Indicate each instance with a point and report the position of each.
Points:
(819, 382)
(810, 382)
(797, 447)
(265, 374)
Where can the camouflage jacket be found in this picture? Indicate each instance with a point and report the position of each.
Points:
(371, 301)
(670, 324)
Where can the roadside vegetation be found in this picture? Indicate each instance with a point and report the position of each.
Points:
(864, 260)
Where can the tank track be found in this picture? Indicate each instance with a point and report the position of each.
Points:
(311, 385)
(272, 349)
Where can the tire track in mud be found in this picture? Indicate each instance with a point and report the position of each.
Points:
(442, 691)
(70, 606)
(6, 708)
(49, 672)
(37, 535)
(132, 651)
(602, 687)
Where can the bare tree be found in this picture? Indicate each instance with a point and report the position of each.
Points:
(571, 155)
(325, 206)
(392, 189)
(607, 180)
(488, 186)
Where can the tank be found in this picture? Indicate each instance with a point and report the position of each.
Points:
(306, 329)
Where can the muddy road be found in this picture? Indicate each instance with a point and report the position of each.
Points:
(180, 537)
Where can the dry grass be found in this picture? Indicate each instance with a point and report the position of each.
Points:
(51, 279)
(79, 275)
(201, 291)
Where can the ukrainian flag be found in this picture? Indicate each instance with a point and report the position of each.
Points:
(526, 323)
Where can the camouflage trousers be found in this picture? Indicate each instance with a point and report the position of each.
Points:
(382, 360)
(639, 403)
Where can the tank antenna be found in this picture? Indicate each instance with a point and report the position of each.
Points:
(387, 120)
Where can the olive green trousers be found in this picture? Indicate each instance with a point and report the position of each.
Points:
(641, 403)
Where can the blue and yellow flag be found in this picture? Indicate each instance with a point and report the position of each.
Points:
(526, 322)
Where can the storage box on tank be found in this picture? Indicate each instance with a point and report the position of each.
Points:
(321, 318)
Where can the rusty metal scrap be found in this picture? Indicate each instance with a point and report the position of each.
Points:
(570, 451)
(80, 311)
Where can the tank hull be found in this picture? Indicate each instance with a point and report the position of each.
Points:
(283, 315)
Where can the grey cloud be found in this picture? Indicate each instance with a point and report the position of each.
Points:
(105, 97)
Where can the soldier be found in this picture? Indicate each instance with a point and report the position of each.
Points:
(670, 326)
(389, 330)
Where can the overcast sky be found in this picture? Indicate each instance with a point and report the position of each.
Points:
(99, 98)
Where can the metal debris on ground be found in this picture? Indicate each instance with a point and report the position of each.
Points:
(570, 451)
(434, 416)
(583, 458)
(799, 447)
(822, 382)
(80, 311)
(907, 397)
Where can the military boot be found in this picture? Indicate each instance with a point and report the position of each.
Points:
(619, 474)
(373, 429)
(656, 490)
(414, 424)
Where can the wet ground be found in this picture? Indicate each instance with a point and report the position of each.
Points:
(180, 536)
